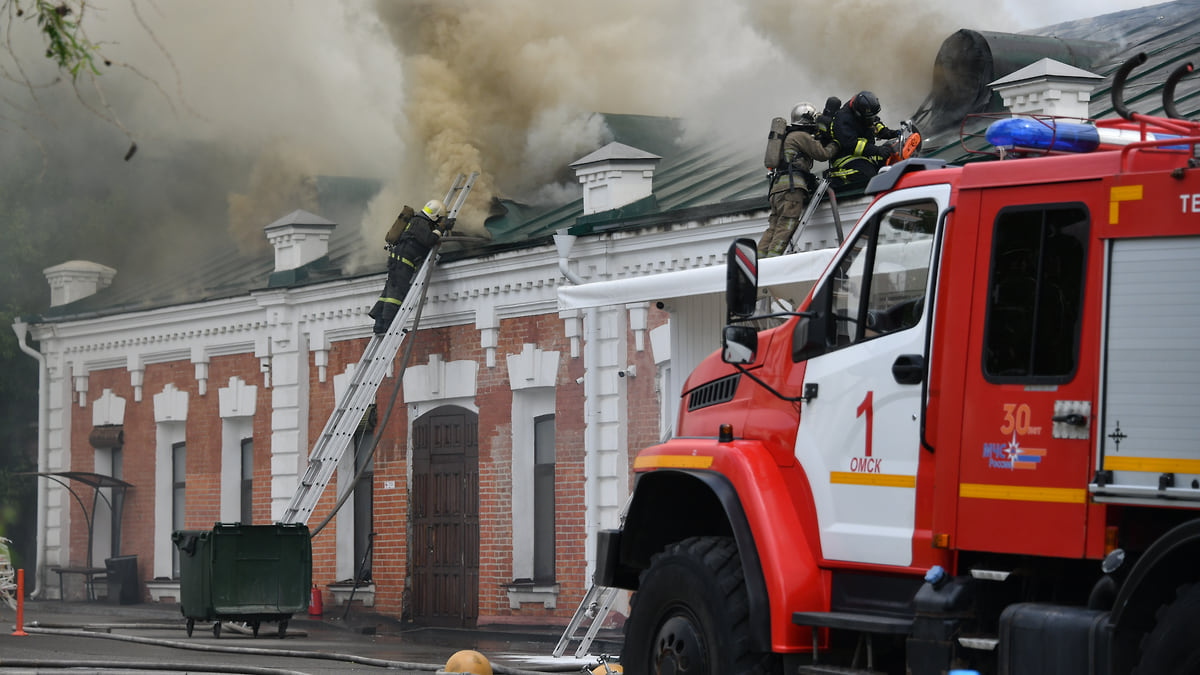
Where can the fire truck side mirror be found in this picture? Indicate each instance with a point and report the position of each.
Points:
(739, 344)
(741, 280)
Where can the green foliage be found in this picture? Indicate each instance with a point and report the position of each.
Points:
(18, 507)
(61, 27)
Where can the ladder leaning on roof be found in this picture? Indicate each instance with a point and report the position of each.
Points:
(368, 374)
(814, 201)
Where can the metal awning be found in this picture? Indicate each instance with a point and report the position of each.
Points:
(787, 269)
(96, 481)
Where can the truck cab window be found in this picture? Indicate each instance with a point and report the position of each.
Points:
(1035, 294)
(878, 287)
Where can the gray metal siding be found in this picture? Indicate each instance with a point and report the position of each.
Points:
(1152, 380)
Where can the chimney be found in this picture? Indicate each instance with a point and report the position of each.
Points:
(614, 176)
(299, 238)
(77, 279)
(1048, 87)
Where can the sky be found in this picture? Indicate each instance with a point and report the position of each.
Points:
(260, 96)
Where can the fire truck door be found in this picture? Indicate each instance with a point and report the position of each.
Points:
(1027, 408)
(859, 437)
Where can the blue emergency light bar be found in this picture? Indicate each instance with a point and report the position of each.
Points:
(1056, 135)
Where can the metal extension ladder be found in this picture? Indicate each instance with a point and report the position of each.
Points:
(818, 194)
(368, 374)
(596, 604)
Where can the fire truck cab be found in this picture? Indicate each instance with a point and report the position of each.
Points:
(973, 445)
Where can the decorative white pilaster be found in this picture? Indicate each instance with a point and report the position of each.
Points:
(288, 361)
(606, 444)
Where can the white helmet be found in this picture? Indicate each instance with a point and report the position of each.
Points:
(804, 113)
(435, 209)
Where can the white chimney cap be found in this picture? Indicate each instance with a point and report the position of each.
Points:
(77, 279)
(614, 176)
(1048, 87)
(299, 238)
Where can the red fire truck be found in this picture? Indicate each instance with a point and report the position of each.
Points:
(975, 444)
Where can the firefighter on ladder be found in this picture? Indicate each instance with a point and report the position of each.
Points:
(409, 241)
(855, 128)
(792, 182)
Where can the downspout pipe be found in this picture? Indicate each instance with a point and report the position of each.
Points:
(564, 242)
(43, 451)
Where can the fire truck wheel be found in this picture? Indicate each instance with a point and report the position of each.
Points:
(691, 614)
(1171, 648)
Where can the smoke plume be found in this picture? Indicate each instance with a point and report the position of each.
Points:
(235, 106)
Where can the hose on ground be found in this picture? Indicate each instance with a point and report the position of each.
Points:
(499, 669)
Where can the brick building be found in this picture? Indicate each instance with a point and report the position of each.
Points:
(514, 424)
(543, 361)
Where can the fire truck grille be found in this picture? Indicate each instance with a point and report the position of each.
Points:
(717, 391)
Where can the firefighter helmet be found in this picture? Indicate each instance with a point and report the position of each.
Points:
(804, 113)
(435, 209)
(865, 104)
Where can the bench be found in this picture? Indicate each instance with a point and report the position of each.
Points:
(89, 575)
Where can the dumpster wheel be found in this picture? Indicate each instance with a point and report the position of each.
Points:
(191, 623)
(216, 629)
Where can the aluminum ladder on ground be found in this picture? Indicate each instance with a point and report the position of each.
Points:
(596, 604)
(368, 374)
(819, 193)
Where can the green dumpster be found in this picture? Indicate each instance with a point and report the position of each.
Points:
(246, 573)
(195, 573)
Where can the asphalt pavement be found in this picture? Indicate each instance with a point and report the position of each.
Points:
(67, 634)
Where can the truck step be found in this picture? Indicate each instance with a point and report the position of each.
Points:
(863, 623)
(821, 669)
(990, 575)
(980, 642)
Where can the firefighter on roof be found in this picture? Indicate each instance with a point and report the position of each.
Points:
(856, 127)
(408, 242)
(792, 180)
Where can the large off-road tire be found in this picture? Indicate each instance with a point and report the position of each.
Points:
(691, 614)
(1172, 648)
